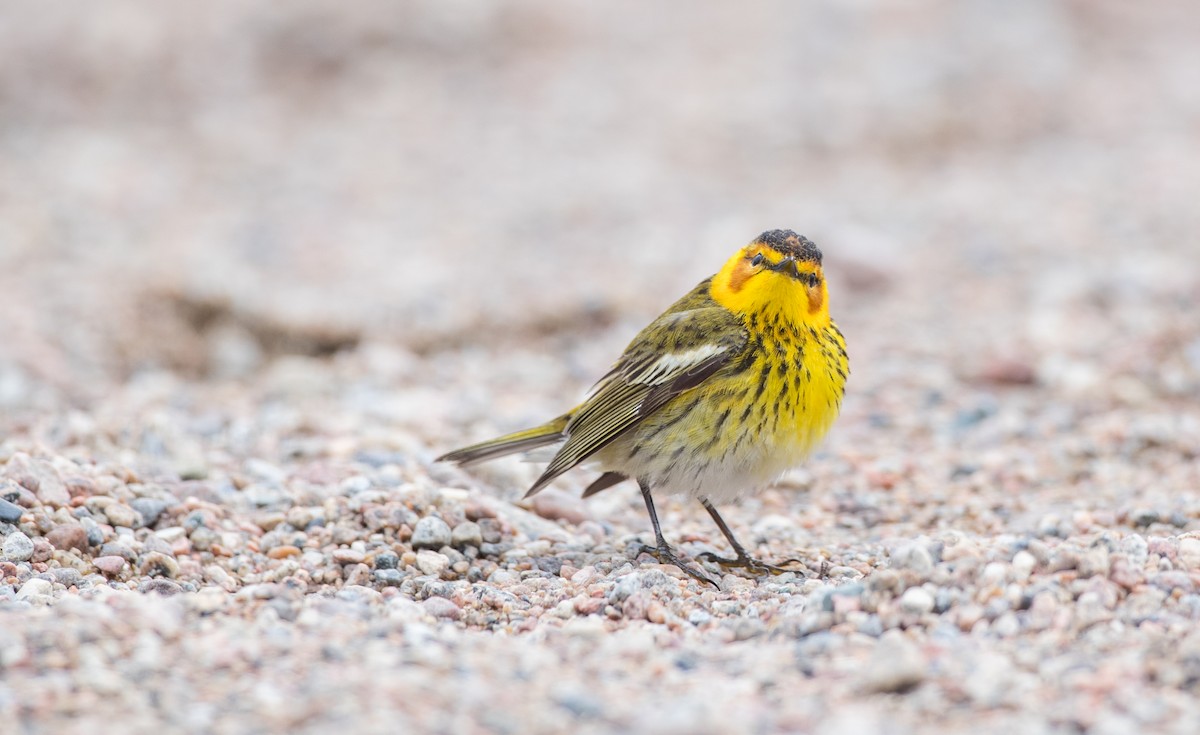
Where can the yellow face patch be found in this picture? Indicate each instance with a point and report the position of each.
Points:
(754, 280)
(741, 272)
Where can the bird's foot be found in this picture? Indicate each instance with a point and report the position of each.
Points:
(750, 564)
(665, 555)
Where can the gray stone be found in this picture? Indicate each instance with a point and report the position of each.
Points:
(440, 607)
(68, 576)
(386, 560)
(203, 538)
(149, 508)
(164, 587)
(95, 534)
(17, 547)
(119, 550)
(10, 512)
(431, 533)
(389, 577)
(467, 533)
(624, 587)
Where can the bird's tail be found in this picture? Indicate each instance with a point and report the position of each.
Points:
(520, 441)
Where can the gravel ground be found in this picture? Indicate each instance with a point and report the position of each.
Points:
(261, 265)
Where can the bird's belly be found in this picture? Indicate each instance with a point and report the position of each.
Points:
(721, 441)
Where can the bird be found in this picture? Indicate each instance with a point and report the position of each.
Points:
(734, 384)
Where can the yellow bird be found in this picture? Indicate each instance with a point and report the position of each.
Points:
(732, 385)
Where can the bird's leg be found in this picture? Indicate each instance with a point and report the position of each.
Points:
(663, 551)
(743, 559)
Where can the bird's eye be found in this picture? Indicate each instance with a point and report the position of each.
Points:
(813, 280)
(757, 259)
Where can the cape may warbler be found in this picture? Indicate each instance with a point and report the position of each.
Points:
(732, 385)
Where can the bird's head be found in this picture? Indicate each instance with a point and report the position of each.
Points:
(778, 275)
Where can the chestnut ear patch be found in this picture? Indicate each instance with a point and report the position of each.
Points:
(816, 298)
(741, 273)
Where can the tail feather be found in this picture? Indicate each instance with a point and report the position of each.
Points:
(603, 482)
(520, 441)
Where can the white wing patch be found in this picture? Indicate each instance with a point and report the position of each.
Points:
(672, 363)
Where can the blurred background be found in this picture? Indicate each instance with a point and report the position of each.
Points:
(494, 197)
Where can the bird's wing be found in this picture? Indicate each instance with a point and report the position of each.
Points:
(676, 352)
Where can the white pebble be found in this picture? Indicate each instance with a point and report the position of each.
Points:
(171, 533)
(431, 562)
(993, 574)
(916, 600)
(1022, 564)
(35, 587)
(1189, 552)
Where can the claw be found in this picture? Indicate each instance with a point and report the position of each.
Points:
(749, 563)
(666, 556)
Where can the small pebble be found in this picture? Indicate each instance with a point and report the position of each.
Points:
(42, 550)
(431, 532)
(209, 600)
(171, 534)
(158, 564)
(68, 536)
(149, 508)
(915, 557)
(896, 665)
(1143, 517)
(110, 565)
(387, 560)
(35, 587)
(1023, 564)
(67, 576)
(17, 547)
(164, 587)
(283, 551)
(348, 556)
(556, 505)
(388, 577)
(53, 492)
(10, 512)
(466, 534)
(122, 515)
(917, 600)
(79, 486)
(431, 562)
(1189, 552)
(119, 549)
(993, 574)
(440, 607)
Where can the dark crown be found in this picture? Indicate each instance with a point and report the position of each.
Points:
(787, 243)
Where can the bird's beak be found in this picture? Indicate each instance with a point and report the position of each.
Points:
(787, 266)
